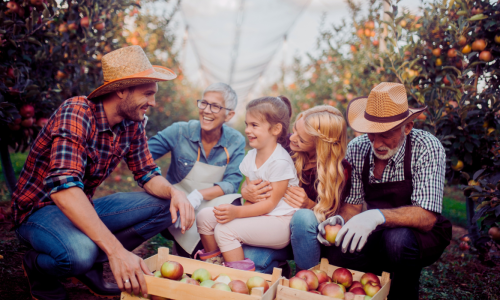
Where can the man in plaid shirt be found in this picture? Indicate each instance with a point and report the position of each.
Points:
(84, 140)
(399, 173)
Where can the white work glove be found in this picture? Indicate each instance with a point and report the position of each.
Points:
(321, 228)
(195, 199)
(358, 229)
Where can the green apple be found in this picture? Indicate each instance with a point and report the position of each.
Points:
(201, 275)
(157, 274)
(207, 283)
(221, 286)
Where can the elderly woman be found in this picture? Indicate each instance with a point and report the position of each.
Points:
(206, 155)
(318, 144)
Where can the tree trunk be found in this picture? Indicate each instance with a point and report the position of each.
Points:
(8, 170)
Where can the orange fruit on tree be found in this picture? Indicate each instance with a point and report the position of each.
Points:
(466, 49)
(452, 53)
(436, 52)
(473, 183)
(479, 45)
(368, 32)
(485, 56)
(490, 130)
(497, 38)
(459, 166)
(462, 40)
(403, 23)
(439, 62)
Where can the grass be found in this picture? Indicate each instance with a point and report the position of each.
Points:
(454, 210)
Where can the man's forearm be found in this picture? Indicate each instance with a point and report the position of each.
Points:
(347, 211)
(76, 206)
(159, 186)
(212, 192)
(409, 216)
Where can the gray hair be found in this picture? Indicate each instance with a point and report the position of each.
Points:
(229, 95)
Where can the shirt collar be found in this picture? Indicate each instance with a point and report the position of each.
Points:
(196, 136)
(102, 120)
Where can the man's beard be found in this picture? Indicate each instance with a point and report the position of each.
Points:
(128, 111)
(390, 152)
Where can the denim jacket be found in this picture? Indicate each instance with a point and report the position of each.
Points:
(183, 140)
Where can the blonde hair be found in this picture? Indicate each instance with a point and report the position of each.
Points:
(274, 110)
(328, 127)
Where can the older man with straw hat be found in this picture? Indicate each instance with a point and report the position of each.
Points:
(84, 140)
(398, 171)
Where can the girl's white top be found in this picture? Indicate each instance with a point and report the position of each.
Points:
(279, 166)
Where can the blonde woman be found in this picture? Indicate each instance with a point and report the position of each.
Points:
(318, 144)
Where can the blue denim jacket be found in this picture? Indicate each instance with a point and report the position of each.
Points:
(183, 140)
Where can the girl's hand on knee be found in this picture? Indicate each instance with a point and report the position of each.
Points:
(225, 213)
(296, 197)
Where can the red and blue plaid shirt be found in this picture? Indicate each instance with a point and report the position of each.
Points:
(77, 148)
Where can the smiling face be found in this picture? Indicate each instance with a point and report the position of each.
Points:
(300, 141)
(137, 102)
(386, 144)
(213, 121)
(259, 132)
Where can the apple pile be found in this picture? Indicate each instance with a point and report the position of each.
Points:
(340, 285)
(201, 277)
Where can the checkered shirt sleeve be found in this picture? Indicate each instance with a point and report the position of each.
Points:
(139, 159)
(428, 164)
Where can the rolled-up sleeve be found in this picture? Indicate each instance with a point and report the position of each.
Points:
(164, 141)
(232, 176)
(139, 159)
(68, 156)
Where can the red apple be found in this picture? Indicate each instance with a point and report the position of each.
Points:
(331, 232)
(257, 281)
(342, 276)
(322, 285)
(355, 284)
(358, 291)
(172, 270)
(298, 284)
(452, 53)
(333, 290)
(436, 52)
(322, 276)
(84, 22)
(118, 178)
(485, 56)
(27, 122)
(464, 246)
(99, 26)
(494, 233)
(369, 277)
(72, 26)
(238, 286)
(27, 111)
(190, 281)
(13, 7)
(478, 45)
(371, 288)
(309, 277)
(41, 122)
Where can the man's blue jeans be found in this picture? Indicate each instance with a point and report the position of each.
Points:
(65, 251)
(306, 248)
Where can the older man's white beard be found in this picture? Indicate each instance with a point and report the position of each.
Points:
(390, 152)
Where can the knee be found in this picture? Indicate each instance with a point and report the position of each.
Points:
(400, 244)
(205, 220)
(303, 221)
(79, 258)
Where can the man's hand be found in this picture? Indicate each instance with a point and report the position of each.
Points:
(296, 197)
(321, 228)
(225, 213)
(256, 191)
(129, 270)
(179, 203)
(358, 228)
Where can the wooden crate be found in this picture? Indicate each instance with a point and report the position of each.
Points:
(182, 291)
(285, 292)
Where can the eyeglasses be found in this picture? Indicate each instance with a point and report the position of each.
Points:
(202, 104)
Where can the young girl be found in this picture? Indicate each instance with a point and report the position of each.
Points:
(267, 224)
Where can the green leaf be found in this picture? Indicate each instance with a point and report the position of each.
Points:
(477, 17)
(34, 41)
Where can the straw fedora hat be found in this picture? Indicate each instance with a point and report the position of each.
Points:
(384, 109)
(128, 67)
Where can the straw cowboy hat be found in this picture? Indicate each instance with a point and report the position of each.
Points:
(384, 109)
(128, 67)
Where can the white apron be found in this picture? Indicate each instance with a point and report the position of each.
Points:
(200, 177)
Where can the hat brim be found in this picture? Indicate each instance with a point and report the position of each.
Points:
(356, 117)
(160, 74)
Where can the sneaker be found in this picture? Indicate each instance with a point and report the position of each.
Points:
(42, 286)
(213, 257)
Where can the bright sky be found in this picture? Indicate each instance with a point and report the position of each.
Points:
(241, 42)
